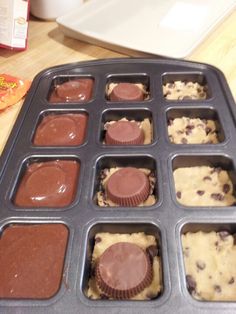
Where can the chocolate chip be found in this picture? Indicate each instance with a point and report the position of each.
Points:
(180, 132)
(178, 194)
(167, 93)
(217, 288)
(231, 281)
(216, 169)
(226, 188)
(217, 196)
(202, 94)
(208, 130)
(200, 265)
(170, 85)
(223, 234)
(184, 140)
(103, 296)
(207, 178)
(97, 240)
(104, 173)
(186, 97)
(152, 251)
(191, 284)
(189, 129)
(151, 296)
(200, 192)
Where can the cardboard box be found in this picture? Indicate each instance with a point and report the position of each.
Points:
(14, 16)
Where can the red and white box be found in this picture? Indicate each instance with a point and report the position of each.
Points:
(14, 20)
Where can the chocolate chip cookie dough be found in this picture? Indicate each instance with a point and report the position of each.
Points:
(209, 260)
(125, 138)
(127, 186)
(181, 90)
(203, 186)
(137, 277)
(185, 130)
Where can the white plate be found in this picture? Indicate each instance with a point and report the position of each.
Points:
(162, 27)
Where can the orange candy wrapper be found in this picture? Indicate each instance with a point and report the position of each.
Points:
(12, 90)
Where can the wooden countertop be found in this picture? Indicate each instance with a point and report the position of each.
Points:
(47, 46)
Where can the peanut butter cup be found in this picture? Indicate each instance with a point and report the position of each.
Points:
(61, 130)
(126, 92)
(124, 133)
(77, 90)
(123, 271)
(128, 187)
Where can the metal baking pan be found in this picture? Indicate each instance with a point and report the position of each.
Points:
(167, 219)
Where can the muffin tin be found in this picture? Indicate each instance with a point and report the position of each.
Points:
(167, 219)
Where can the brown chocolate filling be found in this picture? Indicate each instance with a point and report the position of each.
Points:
(77, 90)
(31, 260)
(50, 183)
(61, 130)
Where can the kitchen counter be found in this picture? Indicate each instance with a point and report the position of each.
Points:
(47, 47)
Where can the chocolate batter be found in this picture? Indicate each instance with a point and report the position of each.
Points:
(31, 260)
(76, 90)
(61, 130)
(48, 184)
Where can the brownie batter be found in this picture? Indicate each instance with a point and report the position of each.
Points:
(185, 130)
(31, 260)
(145, 131)
(74, 90)
(126, 92)
(203, 186)
(120, 192)
(61, 130)
(48, 184)
(181, 90)
(140, 272)
(209, 259)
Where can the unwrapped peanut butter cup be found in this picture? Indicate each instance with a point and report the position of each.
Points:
(124, 133)
(126, 92)
(123, 270)
(128, 187)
